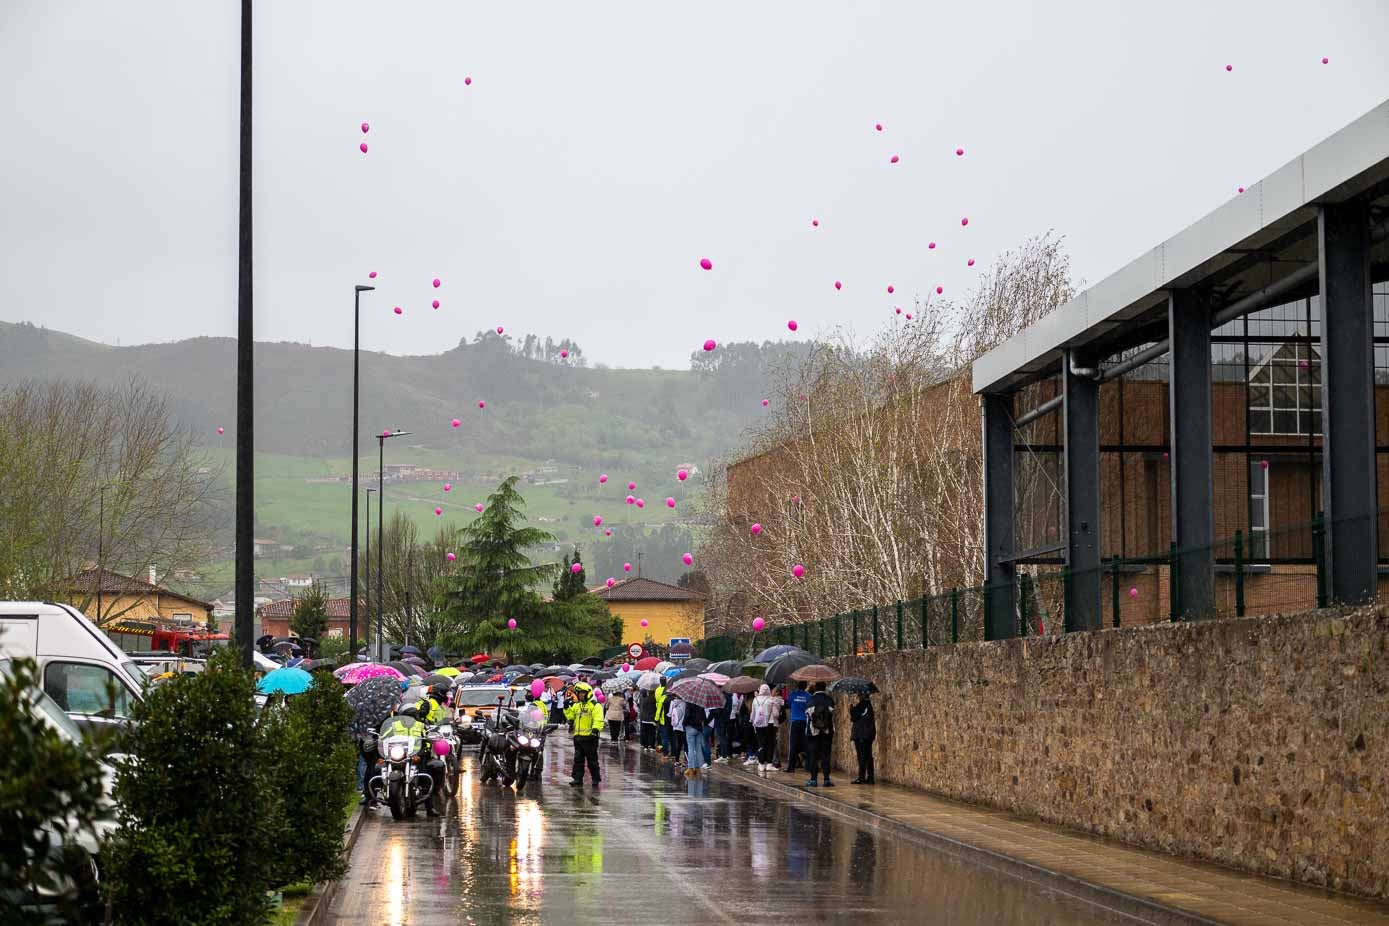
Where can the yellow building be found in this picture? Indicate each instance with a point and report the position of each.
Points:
(131, 609)
(670, 611)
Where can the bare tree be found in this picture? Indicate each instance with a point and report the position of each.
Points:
(92, 473)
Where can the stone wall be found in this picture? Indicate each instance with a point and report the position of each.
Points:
(1260, 743)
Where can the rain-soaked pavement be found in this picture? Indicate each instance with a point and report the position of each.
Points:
(653, 846)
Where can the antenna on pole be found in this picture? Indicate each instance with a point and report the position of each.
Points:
(639, 556)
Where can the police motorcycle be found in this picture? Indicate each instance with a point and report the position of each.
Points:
(447, 731)
(513, 744)
(528, 741)
(409, 770)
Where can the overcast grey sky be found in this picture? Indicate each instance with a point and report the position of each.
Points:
(604, 148)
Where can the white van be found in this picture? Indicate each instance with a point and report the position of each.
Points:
(79, 664)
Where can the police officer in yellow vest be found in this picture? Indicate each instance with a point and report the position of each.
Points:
(405, 723)
(431, 706)
(585, 718)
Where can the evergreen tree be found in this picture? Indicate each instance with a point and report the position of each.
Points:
(310, 613)
(570, 584)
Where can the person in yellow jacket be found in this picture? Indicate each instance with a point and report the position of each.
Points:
(662, 718)
(585, 718)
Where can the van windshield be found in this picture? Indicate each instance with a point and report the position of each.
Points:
(44, 706)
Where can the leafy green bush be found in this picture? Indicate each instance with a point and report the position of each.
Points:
(316, 776)
(50, 793)
(200, 816)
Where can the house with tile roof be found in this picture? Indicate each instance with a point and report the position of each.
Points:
(670, 611)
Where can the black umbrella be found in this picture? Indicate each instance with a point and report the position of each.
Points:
(372, 702)
(852, 684)
(684, 673)
(411, 651)
(602, 675)
(437, 679)
(404, 668)
(776, 652)
(780, 670)
(700, 663)
(730, 667)
(593, 661)
(546, 673)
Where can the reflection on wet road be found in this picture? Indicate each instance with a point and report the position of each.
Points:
(649, 845)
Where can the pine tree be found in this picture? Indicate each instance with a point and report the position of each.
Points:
(570, 584)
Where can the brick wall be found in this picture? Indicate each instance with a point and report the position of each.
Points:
(1261, 744)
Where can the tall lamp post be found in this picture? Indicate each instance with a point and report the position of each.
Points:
(381, 533)
(356, 339)
(366, 628)
(100, 549)
(245, 371)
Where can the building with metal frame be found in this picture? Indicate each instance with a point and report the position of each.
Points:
(1227, 376)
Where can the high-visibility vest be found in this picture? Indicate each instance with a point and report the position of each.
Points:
(586, 716)
(433, 711)
(661, 705)
(400, 728)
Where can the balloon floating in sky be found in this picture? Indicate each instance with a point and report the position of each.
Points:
(682, 474)
(467, 81)
(436, 303)
(644, 622)
(372, 275)
(436, 282)
(386, 433)
(564, 355)
(499, 329)
(511, 623)
(791, 325)
(478, 507)
(798, 571)
(687, 559)
(765, 403)
(597, 520)
(959, 152)
(448, 487)
(1326, 61)
(670, 502)
(890, 289)
(363, 146)
(710, 345)
(365, 128)
(577, 568)
(438, 511)
(456, 422)
(939, 290)
(626, 567)
(970, 262)
(631, 486)
(894, 159)
(399, 310)
(909, 316)
(450, 557)
(931, 246)
(899, 310)
(756, 529)
(758, 623)
(706, 263)
(838, 285)
(641, 503)
(964, 220)
(611, 582)
(608, 532)
(481, 404)
(878, 126)
(1229, 67)
(631, 499)
(603, 478)
(1240, 190)
(221, 430)
(814, 223)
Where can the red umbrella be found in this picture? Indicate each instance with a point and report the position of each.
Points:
(479, 659)
(646, 663)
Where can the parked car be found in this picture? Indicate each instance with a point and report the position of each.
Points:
(84, 673)
(473, 704)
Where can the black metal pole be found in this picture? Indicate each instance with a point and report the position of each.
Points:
(367, 626)
(356, 430)
(245, 409)
(100, 549)
(381, 540)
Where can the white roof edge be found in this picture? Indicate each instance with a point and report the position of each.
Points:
(1308, 178)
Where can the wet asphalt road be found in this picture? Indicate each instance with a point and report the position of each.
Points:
(651, 846)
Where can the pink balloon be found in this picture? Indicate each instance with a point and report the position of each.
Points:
(959, 152)
(564, 355)
(909, 316)
(878, 126)
(682, 474)
(467, 81)
(931, 246)
(894, 159)
(791, 325)
(766, 402)
(626, 667)
(441, 747)
(603, 478)
(814, 223)
(940, 290)
(456, 422)
(631, 499)
(631, 486)
(363, 146)
(970, 262)
(499, 329)
(511, 623)
(386, 433)
(1240, 190)
(608, 532)
(626, 567)
(478, 507)
(436, 303)
(1133, 593)
(481, 404)
(898, 310)
(758, 623)
(611, 582)
(670, 502)
(438, 511)
(641, 503)
(372, 275)
(365, 128)
(710, 345)
(436, 282)
(577, 568)
(838, 285)
(537, 687)
(706, 263)
(450, 557)
(687, 559)
(599, 696)
(597, 520)
(221, 430)
(798, 571)
(964, 220)
(1229, 67)
(1326, 61)
(448, 487)
(756, 529)
(399, 310)
(644, 622)
(889, 289)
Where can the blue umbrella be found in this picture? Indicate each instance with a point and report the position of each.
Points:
(287, 681)
(672, 671)
(773, 653)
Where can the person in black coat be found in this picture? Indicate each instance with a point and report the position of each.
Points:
(863, 730)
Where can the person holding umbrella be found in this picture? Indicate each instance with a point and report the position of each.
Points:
(766, 708)
(616, 715)
(585, 718)
(647, 717)
(863, 731)
(819, 712)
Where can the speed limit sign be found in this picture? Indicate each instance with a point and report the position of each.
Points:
(635, 651)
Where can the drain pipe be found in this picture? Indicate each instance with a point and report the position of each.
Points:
(1083, 372)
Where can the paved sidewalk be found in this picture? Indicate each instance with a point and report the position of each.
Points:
(1151, 886)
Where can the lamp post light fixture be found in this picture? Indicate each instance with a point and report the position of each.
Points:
(366, 628)
(381, 534)
(352, 581)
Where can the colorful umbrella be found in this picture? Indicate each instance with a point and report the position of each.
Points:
(646, 662)
(614, 685)
(718, 678)
(555, 682)
(365, 670)
(743, 684)
(649, 681)
(815, 673)
(372, 702)
(285, 681)
(479, 659)
(698, 691)
(450, 671)
(852, 684)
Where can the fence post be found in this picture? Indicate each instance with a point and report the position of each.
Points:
(805, 637)
(838, 619)
(876, 647)
(1066, 600)
(925, 620)
(1114, 588)
(1023, 587)
(955, 615)
(899, 623)
(1172, 580)
(1319, 554)
(1239, 574)
(821, 625)
(855, 629)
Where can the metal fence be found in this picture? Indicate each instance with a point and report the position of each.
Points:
(1255, 573)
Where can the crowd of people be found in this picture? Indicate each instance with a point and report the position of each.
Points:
(745, 727)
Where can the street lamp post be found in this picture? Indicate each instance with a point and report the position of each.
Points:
(381, 533)
(100, 548)
(356, 338)
(366, 628)
(245, 373)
